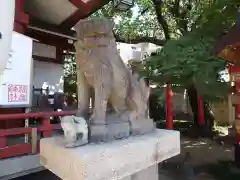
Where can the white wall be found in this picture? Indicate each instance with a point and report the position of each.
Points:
(135, 51)
(125, 52)
(50, 74)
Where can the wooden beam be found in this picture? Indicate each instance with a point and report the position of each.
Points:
(13, 117)
(81, 4)
(47, 59)
(34, 140)
(50, 27)
(85, 8)
(50, 39)
(47, 38)
(15, 131)
(15, 150)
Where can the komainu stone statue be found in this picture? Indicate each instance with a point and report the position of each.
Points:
(75, 131)
(99, 66)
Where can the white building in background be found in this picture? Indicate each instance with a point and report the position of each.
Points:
(135, 51)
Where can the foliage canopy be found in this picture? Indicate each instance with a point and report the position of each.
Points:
(187, 30)
(189, 59)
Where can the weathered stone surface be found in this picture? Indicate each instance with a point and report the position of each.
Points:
(115, 128)
(99, 66)
(121, 159)
(141, 127)
(150, 173)
(75, 131)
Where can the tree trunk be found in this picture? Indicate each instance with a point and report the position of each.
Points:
(209, 119)
(208, 115)
(192, 95)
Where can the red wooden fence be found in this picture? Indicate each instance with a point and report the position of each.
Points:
(32, 147)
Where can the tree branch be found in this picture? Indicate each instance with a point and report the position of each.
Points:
(175, 10)
(140, 39)
(180, 16)
(158, 9)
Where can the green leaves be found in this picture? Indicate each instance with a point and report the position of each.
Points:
(70, 76)
(194, 27)
(189, 59)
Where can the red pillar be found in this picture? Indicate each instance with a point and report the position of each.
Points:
(236, 70)
(237, 142)
(21, 18)
(3, 141)
(46, 124)
(200, 111)
(237, 109)
(169, 107)
(238, 119)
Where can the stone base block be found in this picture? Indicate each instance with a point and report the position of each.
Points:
(134, 158)
(141, 127)
(118, 128)
(109, 132)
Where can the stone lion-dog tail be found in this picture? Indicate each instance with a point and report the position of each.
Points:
(145, 90)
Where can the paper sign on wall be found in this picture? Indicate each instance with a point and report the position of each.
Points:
(17, 93)
(16, 80)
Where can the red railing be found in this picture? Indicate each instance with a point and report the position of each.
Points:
(32, 147)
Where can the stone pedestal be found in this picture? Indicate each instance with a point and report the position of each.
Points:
(135, 158)
(117, 128)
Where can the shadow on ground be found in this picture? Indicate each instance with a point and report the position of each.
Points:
(201, 159)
